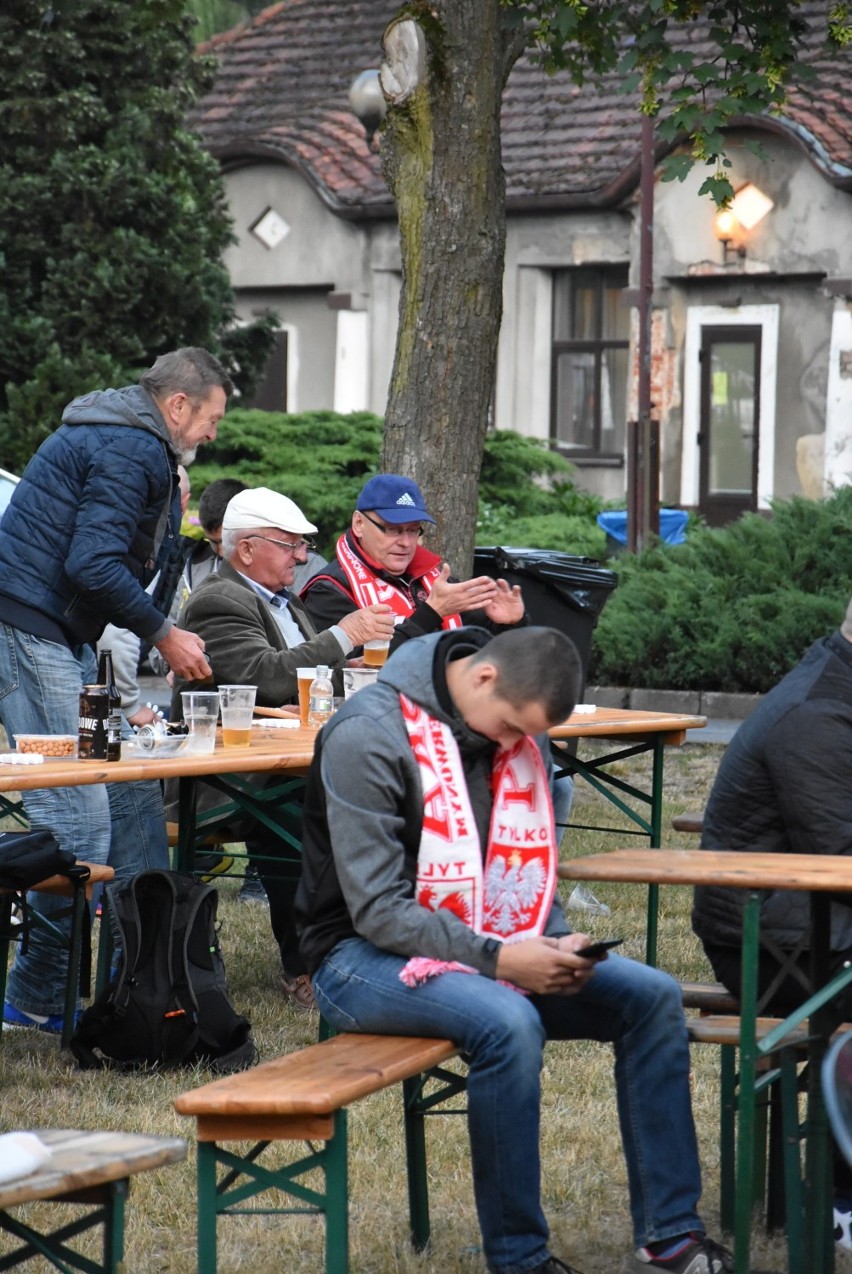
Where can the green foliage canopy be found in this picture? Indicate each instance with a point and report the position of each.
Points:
(747, 57)
(113, 218)
(321, 460)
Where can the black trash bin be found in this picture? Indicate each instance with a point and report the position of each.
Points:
(560, 590)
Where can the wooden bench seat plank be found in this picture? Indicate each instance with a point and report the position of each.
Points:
(80, 1160)
(320, 1079)
(710, 997)
(99, 873)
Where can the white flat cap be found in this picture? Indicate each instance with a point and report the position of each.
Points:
(261, 507)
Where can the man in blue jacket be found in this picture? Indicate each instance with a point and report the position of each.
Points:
(79, 542)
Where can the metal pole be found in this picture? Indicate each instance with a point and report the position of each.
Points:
(642, 457)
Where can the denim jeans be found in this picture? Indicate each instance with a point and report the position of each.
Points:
(119, 823)
(636, 1008)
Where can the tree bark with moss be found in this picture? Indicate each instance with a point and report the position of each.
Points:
(445, 66)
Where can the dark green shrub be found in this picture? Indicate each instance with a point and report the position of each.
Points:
(321, 460)
(731, 609)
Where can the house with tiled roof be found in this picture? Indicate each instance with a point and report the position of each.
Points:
(752, 324)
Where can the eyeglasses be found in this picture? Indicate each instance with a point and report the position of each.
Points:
(283, 544)
(395, 532)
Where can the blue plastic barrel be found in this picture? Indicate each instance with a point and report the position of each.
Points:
(672, 525)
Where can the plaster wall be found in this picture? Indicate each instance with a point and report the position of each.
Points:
(320, 249)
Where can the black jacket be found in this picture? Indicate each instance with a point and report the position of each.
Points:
(785, 786)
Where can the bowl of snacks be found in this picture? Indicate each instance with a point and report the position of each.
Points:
(52, 747)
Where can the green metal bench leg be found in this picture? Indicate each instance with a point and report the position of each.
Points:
(114, 1226)
(207, 1207)
(793, 1193)
(415, 1154)
(337, 1199)
(727, 1138)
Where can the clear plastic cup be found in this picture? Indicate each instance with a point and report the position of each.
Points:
(355, 679)
(237, 703)
(304, 677)
(200, 712)
(376, 652)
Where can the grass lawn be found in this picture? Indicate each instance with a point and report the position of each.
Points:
(584, 1185)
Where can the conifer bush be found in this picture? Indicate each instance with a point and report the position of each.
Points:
(731, 609)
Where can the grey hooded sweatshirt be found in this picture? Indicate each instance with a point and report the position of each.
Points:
(364, 814)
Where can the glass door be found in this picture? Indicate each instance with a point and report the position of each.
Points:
(730, 422)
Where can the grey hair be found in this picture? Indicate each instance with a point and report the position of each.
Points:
(232, 537)
(191, 371)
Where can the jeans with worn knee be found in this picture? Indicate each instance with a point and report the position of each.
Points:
(119, 823)
(636, 1008)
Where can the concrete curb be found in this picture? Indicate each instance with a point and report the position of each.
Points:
(706, 703)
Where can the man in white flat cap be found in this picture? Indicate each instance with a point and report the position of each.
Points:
(257, 633)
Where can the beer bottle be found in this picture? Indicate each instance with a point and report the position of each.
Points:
(106, 677)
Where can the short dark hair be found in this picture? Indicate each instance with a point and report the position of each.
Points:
(191, 371)
(215, 499)
(535, 665)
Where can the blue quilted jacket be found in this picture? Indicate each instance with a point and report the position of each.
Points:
(80, 538)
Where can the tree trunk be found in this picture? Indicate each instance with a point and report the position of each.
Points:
(443, 74)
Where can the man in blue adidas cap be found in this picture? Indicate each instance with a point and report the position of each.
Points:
(382, 558)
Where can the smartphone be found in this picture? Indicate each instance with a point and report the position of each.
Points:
(595, 949)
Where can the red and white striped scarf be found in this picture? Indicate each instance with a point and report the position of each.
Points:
(368, 588)
(509, 898)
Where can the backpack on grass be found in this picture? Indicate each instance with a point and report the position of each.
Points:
(168, 1004)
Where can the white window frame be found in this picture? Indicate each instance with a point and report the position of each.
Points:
(765, 317)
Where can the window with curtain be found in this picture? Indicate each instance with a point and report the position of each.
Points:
(589, 364)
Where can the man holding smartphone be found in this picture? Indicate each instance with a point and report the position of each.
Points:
(427, 906)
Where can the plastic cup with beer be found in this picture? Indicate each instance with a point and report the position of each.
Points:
(304, 677)
(376, 652)
(237, 708)
(200, 712)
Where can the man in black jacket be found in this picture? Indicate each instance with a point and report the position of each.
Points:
(784, 787)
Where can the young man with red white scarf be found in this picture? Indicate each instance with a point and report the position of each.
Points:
(382, 558)
(428, 906)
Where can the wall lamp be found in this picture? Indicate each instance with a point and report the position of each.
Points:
(732, 224)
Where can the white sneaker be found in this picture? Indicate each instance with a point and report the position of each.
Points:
(843, 1229)
(582, 899)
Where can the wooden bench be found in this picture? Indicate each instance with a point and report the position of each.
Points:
(304, 1097)
(708, 997)
(80, 893)
(89, 1168)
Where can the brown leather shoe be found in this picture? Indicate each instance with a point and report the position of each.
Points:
(299, 992)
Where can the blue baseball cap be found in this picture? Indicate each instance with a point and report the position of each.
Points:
(394, 498)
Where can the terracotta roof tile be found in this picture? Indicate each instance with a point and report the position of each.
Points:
(282, 91)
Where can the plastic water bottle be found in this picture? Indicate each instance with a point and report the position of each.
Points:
(322, 697)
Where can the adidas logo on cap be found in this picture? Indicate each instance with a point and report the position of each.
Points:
(405, 498)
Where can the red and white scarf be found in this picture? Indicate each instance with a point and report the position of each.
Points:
(368, 588)
(509, 898)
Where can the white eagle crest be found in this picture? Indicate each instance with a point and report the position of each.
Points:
(512, 889)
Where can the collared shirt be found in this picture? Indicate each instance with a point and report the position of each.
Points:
(289, 629)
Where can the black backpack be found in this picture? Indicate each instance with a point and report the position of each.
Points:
(168, 1004)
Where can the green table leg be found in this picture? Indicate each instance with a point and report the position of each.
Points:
(207, 1201)
(748, 1076)
(818, 1165)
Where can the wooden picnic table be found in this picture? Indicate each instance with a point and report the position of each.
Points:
(809, 1228)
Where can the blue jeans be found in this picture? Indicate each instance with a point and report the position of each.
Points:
(636, 1008)
(119, 823)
